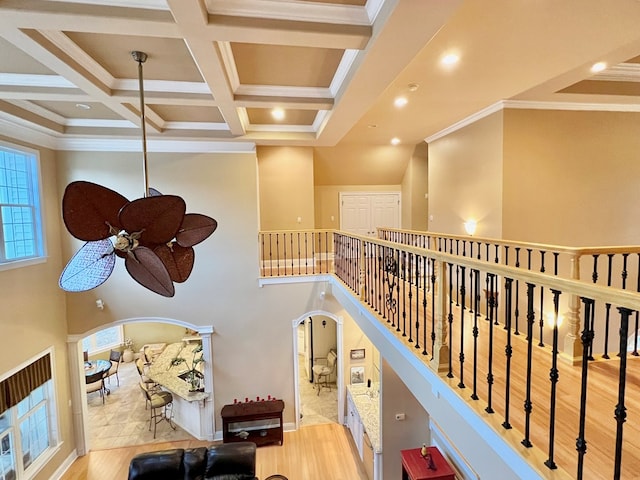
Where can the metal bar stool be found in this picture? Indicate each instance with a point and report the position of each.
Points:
(161, 407)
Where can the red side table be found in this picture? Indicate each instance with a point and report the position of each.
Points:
(415, 467)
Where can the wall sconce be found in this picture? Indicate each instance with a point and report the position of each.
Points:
(324, 323)
(100, 304)
(470, 227)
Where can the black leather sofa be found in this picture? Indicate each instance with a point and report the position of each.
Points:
(228, 461)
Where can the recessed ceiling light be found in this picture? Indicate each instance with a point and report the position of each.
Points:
(395, 141)
(400, 102)
(413, 87)
(450, 59)
(372, 125)
(83, 106)
(277, 113)
(598, 67)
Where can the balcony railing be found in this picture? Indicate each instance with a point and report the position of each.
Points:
(514, 324)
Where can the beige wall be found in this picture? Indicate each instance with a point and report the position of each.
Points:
(249, 322)
(465, 179)
(415, 184)
(286, 188)
(571, 178)
(33, 311)
(411, 432)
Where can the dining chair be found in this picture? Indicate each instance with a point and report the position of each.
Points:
(116, 357)
(322, 371)
(95, 383)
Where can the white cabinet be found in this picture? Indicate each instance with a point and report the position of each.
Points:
(354, 424)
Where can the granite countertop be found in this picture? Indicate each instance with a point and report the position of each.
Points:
(369, 411)
(161, 371)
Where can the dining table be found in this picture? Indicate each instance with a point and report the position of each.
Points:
(94, 367)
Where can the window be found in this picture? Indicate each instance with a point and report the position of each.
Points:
(103, 340)
(28, 435)
(20, 219)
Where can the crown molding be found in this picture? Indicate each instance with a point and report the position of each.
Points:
(531, 105)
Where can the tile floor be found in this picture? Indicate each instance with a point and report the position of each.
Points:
(123, 420)
(315, 409)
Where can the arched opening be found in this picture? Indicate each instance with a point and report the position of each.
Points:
(199, 413)
(305, 350)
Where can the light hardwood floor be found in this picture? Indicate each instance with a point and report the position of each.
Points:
(311, 453)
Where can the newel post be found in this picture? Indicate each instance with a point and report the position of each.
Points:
(441, 348)
(572, 344)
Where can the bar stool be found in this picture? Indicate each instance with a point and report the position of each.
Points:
(161, 407)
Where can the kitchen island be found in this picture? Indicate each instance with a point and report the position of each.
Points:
(189, 408)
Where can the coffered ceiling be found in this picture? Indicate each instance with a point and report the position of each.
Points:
(217, 68)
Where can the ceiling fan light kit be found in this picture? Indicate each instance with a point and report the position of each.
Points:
(153, 234)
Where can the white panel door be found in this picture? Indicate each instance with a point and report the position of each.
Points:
(362, 213)
(355, 214)
(385, 211)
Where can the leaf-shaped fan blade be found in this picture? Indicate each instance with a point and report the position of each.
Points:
(177, 259)
(148, 270)
(153, 192)
(194, 229)
(89, 267)
(88, 208)
(159, 218)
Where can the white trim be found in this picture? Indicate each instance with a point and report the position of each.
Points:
(164, 86)
(64, 466)
(623, 72)
(344, 69)
(485, 112)
(229, 62)
(583, 107)
(146, 4)
(292, 11)
(283, 91)
(339, 367)
(208, 126)
(531, 105)
(281, 128)
(154, 146)
(33, 80)
(96, 122)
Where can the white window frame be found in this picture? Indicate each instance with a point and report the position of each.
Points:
(95, 349)
(35, 203)
(53, 428)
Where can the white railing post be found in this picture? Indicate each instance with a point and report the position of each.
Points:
(572, 345)
(440, 361)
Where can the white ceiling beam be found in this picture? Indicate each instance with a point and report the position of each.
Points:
(192, 21)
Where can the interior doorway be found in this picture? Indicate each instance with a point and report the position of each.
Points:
(315, 335)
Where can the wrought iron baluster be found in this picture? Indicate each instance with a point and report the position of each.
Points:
(541, 321)
(404, 295)
(528, 405)
(417, 345)
(425, 272)
(457, 276)
(411, 263)
(516, 313)
(607, 307)
(462, 297)
(390, 277)
(450, 320)
(476, 301)
(491, 292)
(278, 255)
(270, 258)
(553, 377)
(586, 339)
(621, 410)
(508, 350)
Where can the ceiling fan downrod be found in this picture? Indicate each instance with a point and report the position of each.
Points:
(141, 57)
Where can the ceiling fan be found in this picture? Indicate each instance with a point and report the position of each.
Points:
(153, 234)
